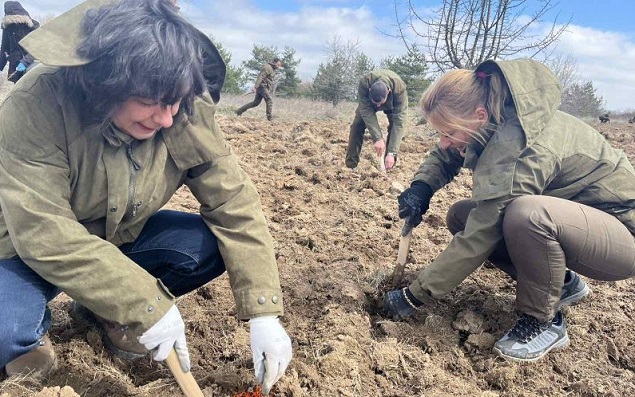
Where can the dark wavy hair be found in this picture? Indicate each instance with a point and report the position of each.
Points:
(140, 48)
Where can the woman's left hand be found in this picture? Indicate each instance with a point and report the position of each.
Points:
(271, 349)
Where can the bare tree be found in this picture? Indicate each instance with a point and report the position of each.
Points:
(464, 33)
(579, 97)
(565, 67)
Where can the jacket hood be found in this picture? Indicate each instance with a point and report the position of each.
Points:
(56, 42)
(17, 19)
(14, 8)
(534, 88)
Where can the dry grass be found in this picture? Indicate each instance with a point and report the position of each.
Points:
(289, 108)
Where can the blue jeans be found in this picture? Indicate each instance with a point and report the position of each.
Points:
(174, 246)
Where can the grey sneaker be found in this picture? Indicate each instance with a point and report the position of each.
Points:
(573, 291)
(529, 340)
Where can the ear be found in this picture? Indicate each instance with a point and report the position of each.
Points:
(481, 115)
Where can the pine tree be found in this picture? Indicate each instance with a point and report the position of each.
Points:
(286, 82)
(413, 70)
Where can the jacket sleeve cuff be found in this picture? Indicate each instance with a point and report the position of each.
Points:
(258, 303)
(375, 136)
(422, 295)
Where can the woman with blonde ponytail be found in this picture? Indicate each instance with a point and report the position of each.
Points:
(551, 198)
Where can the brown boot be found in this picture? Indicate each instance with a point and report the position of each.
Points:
(37, 363)
(117, 339)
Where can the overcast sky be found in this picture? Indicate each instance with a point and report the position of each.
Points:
(601, 36)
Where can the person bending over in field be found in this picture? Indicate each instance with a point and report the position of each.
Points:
(379, 90)
(550, 198)
(92, 149)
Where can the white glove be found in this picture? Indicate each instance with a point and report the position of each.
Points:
(168, 333)
(271, 349)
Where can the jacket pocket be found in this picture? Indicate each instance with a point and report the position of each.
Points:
(492, 182)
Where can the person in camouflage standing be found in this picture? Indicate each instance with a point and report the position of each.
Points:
(378, 90)
(263, 89)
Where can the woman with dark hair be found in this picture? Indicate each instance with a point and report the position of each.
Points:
(94, 143)
(16, 24)
(551, 198)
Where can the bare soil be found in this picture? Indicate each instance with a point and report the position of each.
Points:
(337, 236)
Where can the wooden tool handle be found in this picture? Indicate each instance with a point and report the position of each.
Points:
(186, 381)
(402, 256)
(382, 162)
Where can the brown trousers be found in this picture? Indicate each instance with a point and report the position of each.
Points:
(543, 236)
(356, 138)
(261, 93)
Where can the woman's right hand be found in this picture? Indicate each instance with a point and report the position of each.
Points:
(414, 202)
(166, 334)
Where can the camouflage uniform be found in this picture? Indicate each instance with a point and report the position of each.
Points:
(395, 108)
(264, 87)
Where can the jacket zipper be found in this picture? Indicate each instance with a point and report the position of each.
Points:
(132, 207)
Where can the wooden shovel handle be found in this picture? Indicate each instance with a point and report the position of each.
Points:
(402, 256)
(186, 381)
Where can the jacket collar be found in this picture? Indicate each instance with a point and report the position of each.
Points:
(54, 43)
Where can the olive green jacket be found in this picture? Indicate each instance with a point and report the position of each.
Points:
(265, 78)
(538, 150)
(396, 104)
(71, 193)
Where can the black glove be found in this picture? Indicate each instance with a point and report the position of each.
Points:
(414, 202)
(400, 304)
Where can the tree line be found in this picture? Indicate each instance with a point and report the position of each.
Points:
(459, 34)
(336, 78)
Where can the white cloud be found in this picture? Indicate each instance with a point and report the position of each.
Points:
(307, 31)
(607, 59)
(604, 57)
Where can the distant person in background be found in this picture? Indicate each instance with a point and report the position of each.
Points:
(16, 24)
(550, 198)
(379, 90)
(605, 118)
(263, 89)
(92, 150)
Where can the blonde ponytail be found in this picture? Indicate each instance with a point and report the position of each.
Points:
(452, 100)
